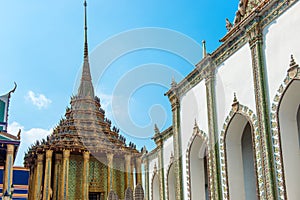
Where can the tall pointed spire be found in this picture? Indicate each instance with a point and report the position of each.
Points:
(86, 49)
(86, 88)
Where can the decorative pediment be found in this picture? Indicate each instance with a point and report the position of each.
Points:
(245, 7)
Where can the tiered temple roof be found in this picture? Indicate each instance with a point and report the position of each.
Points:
(84, 127)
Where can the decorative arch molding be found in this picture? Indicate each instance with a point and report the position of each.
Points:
(168, 172)
(238, 108)
(155, 173)
(293, 73)
(204, 137)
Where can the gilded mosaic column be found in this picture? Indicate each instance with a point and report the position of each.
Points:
(127, 170)
(110, 158)
(65, 175)
(85, 176)
(8, 171)
(139, 170)
(33, 186)
(174, 100)
(31, 178)
(38, 177)
(213, 144)
(132, 175)
(57, 176)
(255, 37)
(47, 191)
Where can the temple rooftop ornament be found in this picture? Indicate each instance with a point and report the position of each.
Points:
(173, 83)
(204, 53)
(228, 25)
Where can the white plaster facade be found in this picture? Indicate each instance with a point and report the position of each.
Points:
(252, 63)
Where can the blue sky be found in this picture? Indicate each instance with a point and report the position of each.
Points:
(41, 48)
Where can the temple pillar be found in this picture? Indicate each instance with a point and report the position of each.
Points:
(160, 143)
(38, 177)
(8, 170)
(33, 188)
(127, 170)
(175, 104)
(255, 38)
(57, 176)
(47, 191)
(65, 175)
(139, 170)
(110, 158)
(30, 186)
(132, 175)
(85, 176)
(213, 144)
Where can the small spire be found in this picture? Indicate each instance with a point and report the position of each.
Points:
(292, 62)
(195, 123)
(156, 129)
(86, 51)
(235, 101)
(173, 83)
(204, 48)
(234, 98)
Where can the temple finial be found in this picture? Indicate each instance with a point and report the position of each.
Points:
(292, 62)
(234, 98)
(173, 83)
(86, 51)
(204, 49)
(235, 103)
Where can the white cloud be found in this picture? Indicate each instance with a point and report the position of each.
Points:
(28, 137)
(39, 100)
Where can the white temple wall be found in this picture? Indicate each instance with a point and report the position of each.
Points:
(281, 39)
(193, 106)
(234, 76)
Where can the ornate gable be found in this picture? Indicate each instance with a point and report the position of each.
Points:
(245, 7)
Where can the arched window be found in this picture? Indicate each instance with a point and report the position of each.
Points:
(155, 187)
(289, 120)
(171, 183)
(240, 159)
(198, 170)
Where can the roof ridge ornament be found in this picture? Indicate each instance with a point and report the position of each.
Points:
(228, 24)
(173, 83)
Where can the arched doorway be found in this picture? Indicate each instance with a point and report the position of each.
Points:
(198, 169)
(289, 120)
(171, 183)
(240, 159)
(155, 187)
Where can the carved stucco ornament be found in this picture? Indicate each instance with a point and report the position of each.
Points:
(235, 104)
(293, 69)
